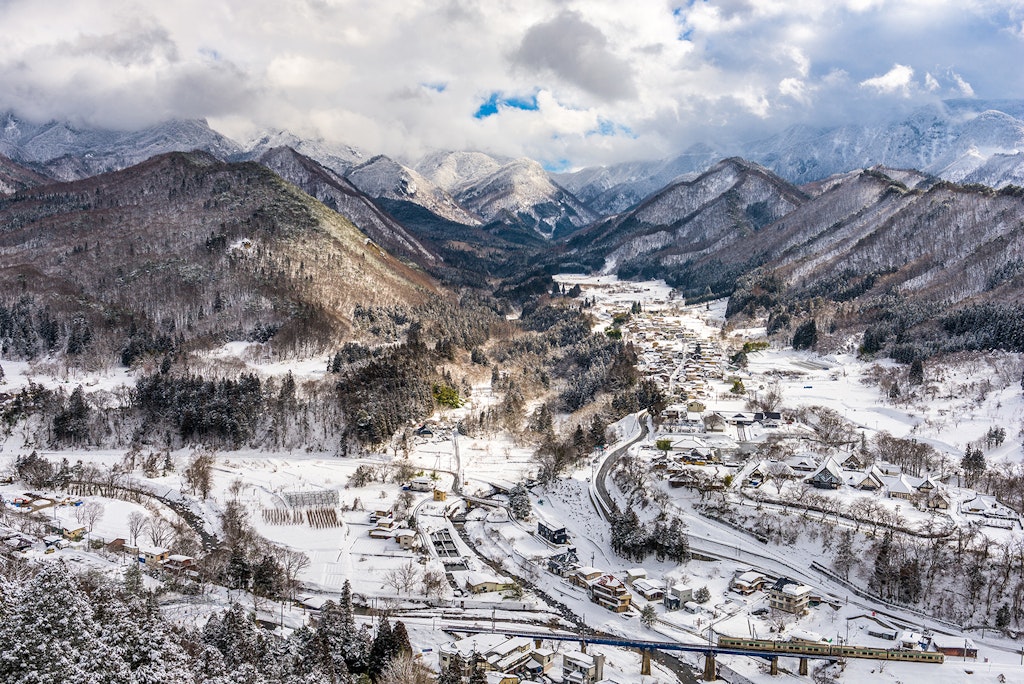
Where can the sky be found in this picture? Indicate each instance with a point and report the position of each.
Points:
(570, 83)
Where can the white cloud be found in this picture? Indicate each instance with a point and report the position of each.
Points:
(896, 80)
(400, 78)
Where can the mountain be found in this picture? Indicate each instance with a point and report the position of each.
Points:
(186, 250)
(949, 139)
(677, 226)
(453, 171)
(522, 193)
(336, 157)
(614, 189)
(71, 152)
(384, 178)
(340, 195)
(14, 177)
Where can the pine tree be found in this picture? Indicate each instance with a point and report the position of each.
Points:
(402, 646)
(477, 675)
(519, 502)
(453, 673)
(49, 634)
(916, 372)
(382, 650)
(845, 556)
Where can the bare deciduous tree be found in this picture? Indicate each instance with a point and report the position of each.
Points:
(160, 531)
(136, 523)
(403, 578)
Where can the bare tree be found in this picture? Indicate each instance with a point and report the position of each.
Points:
(136, 523)
(405, 670)
(403, 578)
(88, 514)
(160, 531)
(293, 562)
(434, 583)
(199, 473)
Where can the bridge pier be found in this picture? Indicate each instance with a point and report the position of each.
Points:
(774, 670)
(803, 666)
(710, 671)
(538, 643)
(583, 647)
(645, 661)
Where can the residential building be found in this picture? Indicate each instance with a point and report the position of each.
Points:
(789, 596)
(483, 582)
(554, 535)
(582, 668)
(828, 476)
(609, 592)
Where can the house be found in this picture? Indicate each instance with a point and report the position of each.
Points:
(53, 540)
(497, 653)
(421, 484)
(634, 574)
(440, 495)
(609, 592)
(789, 596)
(927, 485)
(178, 564)
(748, 583)
(911, 641)
(71, 533)
(552, 534)
(652, 590)
(768, 419)
(543, 659)
(582, 668)
(803, 463)
(828, 476)
(676, 596)
(853, 462)
(938, 500)
(899, 487)
(870, 480)
(954, 646)
(406, 538)
(501, 678)
(482, 582)
(563, 563)
(583, 576)
(153, 556)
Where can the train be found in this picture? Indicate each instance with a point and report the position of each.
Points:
(799, 648)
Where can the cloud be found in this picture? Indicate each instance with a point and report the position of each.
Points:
(896, 80)
(575, 82)
(577, 52)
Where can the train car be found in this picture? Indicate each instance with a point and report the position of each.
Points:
(798, 648)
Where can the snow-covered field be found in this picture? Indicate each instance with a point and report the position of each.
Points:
(958, 403)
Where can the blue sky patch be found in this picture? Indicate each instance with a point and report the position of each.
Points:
(436, 87)
(498, 100)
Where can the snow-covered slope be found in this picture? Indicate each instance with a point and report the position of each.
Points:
(340, 195)
(522, 192)
(950, 140)
(382, 177)
(614, 189)
(337, 157)
(453, 171)
(15, 176)
(72, 152)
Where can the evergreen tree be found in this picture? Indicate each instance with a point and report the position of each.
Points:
(477, 675)
(702, 595)
(806, 335)
(382, 650)
(519, 502)
(400, 637)
(453, 673)
(49, 634)
(1003, 617)
(845, 556)
(916, 372)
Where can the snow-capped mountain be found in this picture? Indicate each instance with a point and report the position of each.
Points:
(614, 189)
(453, 171)
(730, 201)
(343, 197)
(949, 140)
(71, 152)
(522, 192)
(382, 177)
(337, 157)
(15, 176)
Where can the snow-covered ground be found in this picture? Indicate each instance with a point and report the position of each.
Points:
(959, 402)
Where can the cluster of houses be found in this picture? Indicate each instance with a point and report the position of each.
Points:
(510, 660)
(783, 593)
(384, 526)
(676, 359)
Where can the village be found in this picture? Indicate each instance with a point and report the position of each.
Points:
(446, 545)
